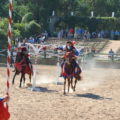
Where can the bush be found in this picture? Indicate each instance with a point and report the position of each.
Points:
(3, 39)
(92, 24)
(21, 28)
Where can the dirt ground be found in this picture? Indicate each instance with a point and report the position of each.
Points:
(97, 96)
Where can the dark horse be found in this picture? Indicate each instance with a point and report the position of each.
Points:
(22, 66)
(70, 73)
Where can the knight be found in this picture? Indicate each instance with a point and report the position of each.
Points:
(22, 60)
(71, 51)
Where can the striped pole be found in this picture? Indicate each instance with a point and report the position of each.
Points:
(9, 45)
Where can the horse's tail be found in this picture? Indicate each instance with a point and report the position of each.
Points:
(78, 77)
(78, 72)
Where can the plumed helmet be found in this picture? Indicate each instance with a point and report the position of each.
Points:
(73, 42)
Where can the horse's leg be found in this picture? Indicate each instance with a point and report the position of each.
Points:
(75, 83)
(64, 86)
(72, 83)
(68, 84)
(21, 80)
(14, 77)
(30, 78)
(24, 78)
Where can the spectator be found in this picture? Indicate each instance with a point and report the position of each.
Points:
(111, 54)
(59, 35)
(45, 34)
(31, 40)
(23, 44)
(70, 33)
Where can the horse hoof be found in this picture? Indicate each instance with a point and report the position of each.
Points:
(74, 89)
(29, 85)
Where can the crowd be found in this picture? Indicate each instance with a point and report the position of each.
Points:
(80, 34)
(36, 39)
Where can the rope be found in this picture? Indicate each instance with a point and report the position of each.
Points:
(9, 45)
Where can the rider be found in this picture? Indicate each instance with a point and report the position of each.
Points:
(22, 59)
(70, 49)
(26, 59)
(111, 53)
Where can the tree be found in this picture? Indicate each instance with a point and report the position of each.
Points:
(33, 28)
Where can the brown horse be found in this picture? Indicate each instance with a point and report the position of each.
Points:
(22, 68)
(69, 71)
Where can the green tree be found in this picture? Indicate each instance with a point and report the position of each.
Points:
(33, 28)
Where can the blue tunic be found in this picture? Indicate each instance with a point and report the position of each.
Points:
(76, 52)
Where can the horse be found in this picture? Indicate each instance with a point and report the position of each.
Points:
(69, 73)
(22, 68)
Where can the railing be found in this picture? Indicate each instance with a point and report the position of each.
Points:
(107, 57)
(81, 58)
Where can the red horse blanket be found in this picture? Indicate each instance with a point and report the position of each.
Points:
(27, 69)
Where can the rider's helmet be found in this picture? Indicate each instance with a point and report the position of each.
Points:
(24, 50)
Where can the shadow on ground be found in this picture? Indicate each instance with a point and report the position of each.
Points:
(92, 96)
(42, 89)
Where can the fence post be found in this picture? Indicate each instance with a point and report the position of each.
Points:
(45, 52)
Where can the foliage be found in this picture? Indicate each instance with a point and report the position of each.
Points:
(27, 17)
(33, 28)
(93, 24)
(3, 32)
(21, 28)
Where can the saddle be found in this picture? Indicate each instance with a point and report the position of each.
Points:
(76, 68)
